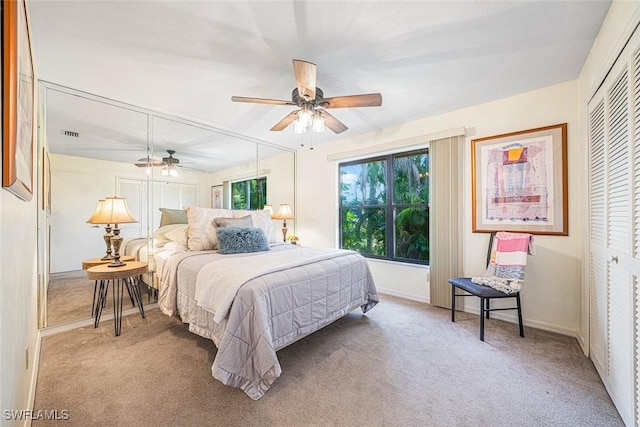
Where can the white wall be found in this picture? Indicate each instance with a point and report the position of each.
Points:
(551, 294)
(18, 297)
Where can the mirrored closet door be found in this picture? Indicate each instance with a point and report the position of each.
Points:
(92, 148)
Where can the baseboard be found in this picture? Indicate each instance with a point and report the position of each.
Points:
(531, 323)
(52, 330)
(35, 366)
(403, 295)
(583, 344)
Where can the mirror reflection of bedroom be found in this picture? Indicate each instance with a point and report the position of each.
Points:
(97, 148)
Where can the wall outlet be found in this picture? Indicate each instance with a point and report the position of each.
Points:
(26, 358)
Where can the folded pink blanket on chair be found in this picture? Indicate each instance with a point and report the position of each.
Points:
(508, 262)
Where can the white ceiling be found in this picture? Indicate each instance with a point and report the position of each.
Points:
(425, 58)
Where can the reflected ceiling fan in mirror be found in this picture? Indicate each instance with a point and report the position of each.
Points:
(312, 113)
(169, 164)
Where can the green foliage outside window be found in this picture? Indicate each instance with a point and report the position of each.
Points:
(250, 194)
(371, 217)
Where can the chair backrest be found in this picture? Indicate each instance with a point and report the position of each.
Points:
(492, 239)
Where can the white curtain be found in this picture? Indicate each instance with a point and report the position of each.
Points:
(445, 217)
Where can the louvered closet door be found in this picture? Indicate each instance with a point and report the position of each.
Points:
(614, 218)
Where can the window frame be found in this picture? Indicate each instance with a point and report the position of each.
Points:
(390, 208)
(248, 191)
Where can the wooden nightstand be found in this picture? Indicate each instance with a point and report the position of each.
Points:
(119, 277)
(88, 263)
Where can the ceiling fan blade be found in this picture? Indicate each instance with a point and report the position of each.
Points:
(261, 100)
(332, 123)
(144, 163)
(289, 118)
(367, 100)
(305, 73)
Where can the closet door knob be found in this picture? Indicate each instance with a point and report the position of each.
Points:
(613, 259)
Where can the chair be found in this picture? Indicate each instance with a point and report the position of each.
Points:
(485, 293)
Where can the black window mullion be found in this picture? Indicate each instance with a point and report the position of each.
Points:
(390, 234)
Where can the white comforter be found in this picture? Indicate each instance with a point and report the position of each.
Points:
(219, 281)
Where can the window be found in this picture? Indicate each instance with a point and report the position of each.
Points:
(384, 206)
(250, 194)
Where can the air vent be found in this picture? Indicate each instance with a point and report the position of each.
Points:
(71, 133)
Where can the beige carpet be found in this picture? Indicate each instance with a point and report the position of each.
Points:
(402, 364)
(70, 295)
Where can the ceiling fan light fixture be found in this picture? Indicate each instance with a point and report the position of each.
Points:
(318, 123)
(299, 127)
(173, 172)
(304, 117)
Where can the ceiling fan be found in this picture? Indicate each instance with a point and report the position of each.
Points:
(168, 164)
(312, 103)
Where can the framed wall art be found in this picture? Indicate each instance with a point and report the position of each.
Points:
(216, 196)
(17, 101)
(519, 182)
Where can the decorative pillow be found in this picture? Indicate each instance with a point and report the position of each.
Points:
(244, 221)
(178, 234)
(262, 220)
(201, 235)
(165, 229)
(237, 240)
(173, 216)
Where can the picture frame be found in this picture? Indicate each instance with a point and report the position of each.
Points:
(519, 182)
(18, 92)
(216, 197)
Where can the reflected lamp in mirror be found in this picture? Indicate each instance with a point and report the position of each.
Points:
(107, 236)
(114, 211)
(268, 208)
(284, 213)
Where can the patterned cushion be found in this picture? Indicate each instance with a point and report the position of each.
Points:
(235, 240)
(244, 221)
(262, 220)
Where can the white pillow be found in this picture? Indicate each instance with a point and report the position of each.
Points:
(178, 234)
(201, 234)
(162, 231)
(262, 220)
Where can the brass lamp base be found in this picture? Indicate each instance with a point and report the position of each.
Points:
(116, 241)
(284, 230)
(107, 240)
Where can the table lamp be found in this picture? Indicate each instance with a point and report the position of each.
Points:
(114, 210)
(107, 236)
(284, 213)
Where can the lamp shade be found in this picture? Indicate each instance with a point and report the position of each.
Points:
(96, 212)
(285, 212)
(112, 210)
(268, 208)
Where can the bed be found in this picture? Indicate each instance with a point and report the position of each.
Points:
(253, 304)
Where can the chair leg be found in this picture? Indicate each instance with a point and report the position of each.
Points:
(519, 315)
(453, 303)
(487, 301)
(482, 319)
